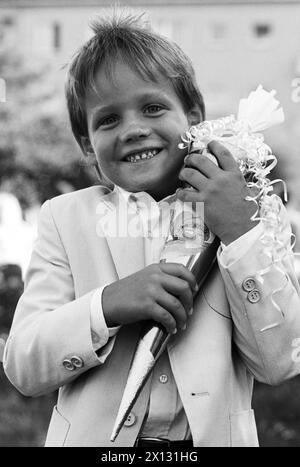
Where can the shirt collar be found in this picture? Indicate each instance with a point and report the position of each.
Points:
(143, 196)
(139, 198)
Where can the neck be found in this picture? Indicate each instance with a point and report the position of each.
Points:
(161, 193)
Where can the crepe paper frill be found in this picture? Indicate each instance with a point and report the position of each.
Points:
(241, 136)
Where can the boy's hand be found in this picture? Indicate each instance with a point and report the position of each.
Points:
(162, 292)
(222, 189)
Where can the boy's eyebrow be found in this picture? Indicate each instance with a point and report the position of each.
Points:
(153, 95)
(159, 95)
(100, 109)
(142, 97)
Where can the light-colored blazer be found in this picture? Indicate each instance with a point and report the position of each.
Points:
(229, 340)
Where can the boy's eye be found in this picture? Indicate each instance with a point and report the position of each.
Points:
(154, 108)
(107, 121)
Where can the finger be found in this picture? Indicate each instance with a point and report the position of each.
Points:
(202, 163)
(162, 316)
(190, 196)
(173, 305)
(180, 271)
(225, 158)
(180, 289)
(193, 177)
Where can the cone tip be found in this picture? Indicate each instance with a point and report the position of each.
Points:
(115, 432)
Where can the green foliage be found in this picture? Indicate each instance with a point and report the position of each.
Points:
(37, 149)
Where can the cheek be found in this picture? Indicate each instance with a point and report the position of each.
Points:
(177, 128)
(176, 140)
(103, 151)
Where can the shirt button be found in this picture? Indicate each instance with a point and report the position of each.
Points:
(163, 379)
(130, 420)
(77, 362)
(68, 365)
(254, 296)
(249, 284)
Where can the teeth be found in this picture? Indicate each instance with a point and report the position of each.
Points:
(142, 155)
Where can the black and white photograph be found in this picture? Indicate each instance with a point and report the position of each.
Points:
(149, 226)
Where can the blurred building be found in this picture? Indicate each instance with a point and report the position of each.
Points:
(234, 45)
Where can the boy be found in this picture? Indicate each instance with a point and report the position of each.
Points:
(131, 95)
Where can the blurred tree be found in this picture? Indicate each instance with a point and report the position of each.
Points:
(39, 158)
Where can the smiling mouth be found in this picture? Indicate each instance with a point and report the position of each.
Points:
(142, 156)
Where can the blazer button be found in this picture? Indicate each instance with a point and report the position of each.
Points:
(68, 365)
(130, 420)
(249, 284)
(254, 296)
(77, 362)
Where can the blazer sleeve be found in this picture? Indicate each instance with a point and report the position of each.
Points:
(50, 342)
(264, 300)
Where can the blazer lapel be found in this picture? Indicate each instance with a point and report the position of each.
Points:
(120, 225)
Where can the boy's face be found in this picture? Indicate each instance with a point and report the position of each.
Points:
(135, 127)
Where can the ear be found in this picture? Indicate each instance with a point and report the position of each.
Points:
(194, 116)
(88, 149)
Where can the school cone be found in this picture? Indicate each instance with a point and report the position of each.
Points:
(154, 338)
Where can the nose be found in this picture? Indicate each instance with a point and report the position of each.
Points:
(134, 132)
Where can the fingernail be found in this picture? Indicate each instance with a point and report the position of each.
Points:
(197, 288)
(190, 312)
(183, 327)
(174, 332)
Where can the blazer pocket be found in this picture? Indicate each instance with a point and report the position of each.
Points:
(243, 429)
(58, 430)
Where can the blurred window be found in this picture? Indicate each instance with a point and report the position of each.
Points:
(57, 36)
(262, 30)
(6, 30)
(218, 31)
(215, 35)
(8, 21)
(261, 35)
